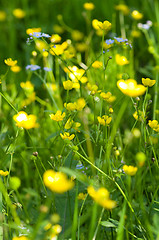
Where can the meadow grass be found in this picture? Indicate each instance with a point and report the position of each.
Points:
(79, 120)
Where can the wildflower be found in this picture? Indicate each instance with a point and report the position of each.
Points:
(120, 40)
(92, 88)
(82, 196)
(77, 35)
(76, 74)
(4, 173)
(57, 181)
(131, 88)
(10, 62)
(97, 25)
(57, 49)
(135, 33)
(32, 67)
(45, 54)
(121, 60)
(154, 125)
(2, 16)
(97, 64)
(89, 6)
(70, 106)
(15, 69)
(80, 104)
(19, 13)
(123, 8)
(59, 116)
(109, 41)
(28, 86)
(104, 120)
(68, 85)
(20, 238)
(41, 45)
(32, 30)
(55, 38)
(105, 96)
(137, 15)
(67, 135)
(139, 115)
(24, 120)
(147, 82)
(69, 123)
(101, 196)
(47, 69)
(130, 170)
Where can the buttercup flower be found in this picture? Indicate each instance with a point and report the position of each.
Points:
(104, 120)
(68, 85)
(57, 181)
(15, 69)
(123, 8)
(20, 238)
(19, 13)
(32, 30)
(147, 82)
(89, 6)
(130, 170)
(26, 121)
(101, 196)
(67, 135)
(80, 104)
(97, 25)
(131, 88)
(10, 62)
(59, 116)
(27, 86)
(4, 173)
(137, 15)
(154, 125)
(121, 60)
(82, 196)
(97, 64)
(55, 38)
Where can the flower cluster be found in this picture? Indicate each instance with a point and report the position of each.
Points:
(104, 120)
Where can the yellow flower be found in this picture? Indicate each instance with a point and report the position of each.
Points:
(105, 96)
(59, 116)
(67, 135)
(3, 16)
(15, 69)
(104, 120)
(68, 85)
(137, 15)
(101, 196)
(3, 173)
(55, 38)
(57, 181)
(92, 88)
(70, 106)
(135, 33)
(69, 123)
(80, 104)
(27, 86)
(26, 121)
(77, 35)
(32, 30)
(130, 170)
(154, 125)
(123, 8)
(20, 238)
(97, 25)
(97, 64)
(75, 73)
(41, 45)
(57, 49)
(10, 62)
(82, 196)
(147, 82)
(131, 88)
(89, 6)
(18, 13)
(139, 115)
(121, 60)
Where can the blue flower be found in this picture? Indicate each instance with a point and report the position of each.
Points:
(120, 40)
(109, 41)
(47, 69)
(32, 67)
(46, 35)
(79, 166)
(36, 34)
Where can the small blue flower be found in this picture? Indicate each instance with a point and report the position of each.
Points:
(46, 35)
(47, 69)
(120, 40)
(79, 166)
(36, 34)
(32, 67)
(109, 41)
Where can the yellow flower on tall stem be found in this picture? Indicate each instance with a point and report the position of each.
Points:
(26, 121)
(131, 88)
